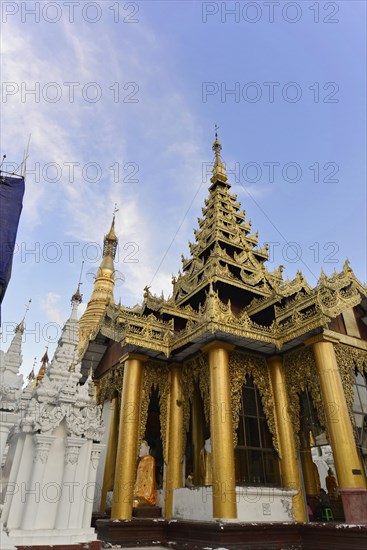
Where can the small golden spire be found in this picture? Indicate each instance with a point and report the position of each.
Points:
(45, 358)
(20, 327)
(31, 375)
(219, 171)
(77, 298)
(111, 235)
(110, 240)
(43, 368)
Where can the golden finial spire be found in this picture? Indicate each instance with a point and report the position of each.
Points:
(77, 298)
(31, 375)
(219, 171)
(103, 288)
(110, 240)
(45, 358)
(20, 327)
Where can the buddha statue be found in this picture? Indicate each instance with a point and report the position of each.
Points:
(206, 463)
(145, 490)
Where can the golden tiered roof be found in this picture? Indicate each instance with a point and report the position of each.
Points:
(225, 289)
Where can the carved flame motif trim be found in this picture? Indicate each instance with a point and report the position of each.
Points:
(300, 373)
(111, 383)
(155, 375)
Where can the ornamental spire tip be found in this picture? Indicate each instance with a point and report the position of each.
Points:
(219, 171)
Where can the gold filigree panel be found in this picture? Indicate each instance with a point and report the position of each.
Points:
(196, 370)
(107, 386)
(300, 373)
(156, 376)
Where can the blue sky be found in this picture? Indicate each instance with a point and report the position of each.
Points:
(150, 82)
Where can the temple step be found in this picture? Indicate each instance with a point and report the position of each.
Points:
(201, 535)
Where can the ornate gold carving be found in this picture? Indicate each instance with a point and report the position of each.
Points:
(155, 375)
(224, 252)
(241, 365)
(111, 383)
(196, 370)
(300, 373)
(306, 310)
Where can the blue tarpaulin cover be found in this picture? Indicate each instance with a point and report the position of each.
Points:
(11, 203)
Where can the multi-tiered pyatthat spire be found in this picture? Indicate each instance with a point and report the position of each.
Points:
(225, 252)
(103, 289)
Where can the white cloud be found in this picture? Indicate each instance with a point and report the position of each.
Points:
(159, 133)
(49, 307)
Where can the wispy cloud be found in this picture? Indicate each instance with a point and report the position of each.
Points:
(159, 135)
(49, 307)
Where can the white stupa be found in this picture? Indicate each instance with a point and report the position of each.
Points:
(53, 454)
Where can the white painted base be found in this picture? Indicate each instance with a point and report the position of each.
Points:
(254, 504)
(20, 537)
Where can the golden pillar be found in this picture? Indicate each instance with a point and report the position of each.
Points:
(127, 449)
(174, 446)
(197, 430)
(348, 463)
(287, 448)
(109, 469)
(224, 482)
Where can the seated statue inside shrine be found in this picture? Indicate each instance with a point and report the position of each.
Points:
(206, 463)
(145, 490)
